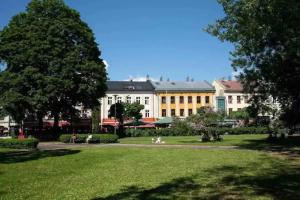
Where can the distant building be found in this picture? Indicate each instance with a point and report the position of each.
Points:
(130, 92)
(229, 96)
(181, 99)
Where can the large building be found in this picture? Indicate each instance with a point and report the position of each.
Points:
(128, 91)
(181, 99)
(230, 96)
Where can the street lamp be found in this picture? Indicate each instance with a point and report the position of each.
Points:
(115, 128)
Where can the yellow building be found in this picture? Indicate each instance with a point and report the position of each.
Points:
(182, 99)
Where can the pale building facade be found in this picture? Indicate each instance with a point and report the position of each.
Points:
(229, 96)
(129, 92)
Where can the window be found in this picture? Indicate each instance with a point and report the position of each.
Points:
(230, 110)
(181, 99)
(138, 99)
(206, 99)
(190, 99)
(119, 99)
(239, 109)
(230, 99)
(146, 100)
(246, 99)
(238, 99)
(173, 112)
(181, 112)
(109, 100)
(198, 99)
(190, 112)
(1, 118)
(128, 99)
(147, 114)
(163, 112)
(172, 99)
(163, 100)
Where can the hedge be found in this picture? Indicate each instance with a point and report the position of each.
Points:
(28, 143)
(96, 138)
(193, 132)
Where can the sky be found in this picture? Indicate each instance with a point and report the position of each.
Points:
(156, 38)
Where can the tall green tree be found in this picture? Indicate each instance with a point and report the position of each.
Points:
(52, 63)
(266, 37)
(133, 110)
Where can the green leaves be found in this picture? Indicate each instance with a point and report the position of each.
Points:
(266, 37)
(52, 60)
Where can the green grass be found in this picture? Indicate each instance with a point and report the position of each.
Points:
(229, 140)
(146, 173)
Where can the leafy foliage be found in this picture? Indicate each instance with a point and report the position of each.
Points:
(133, 110)
(266, 37)
(52, 62)
(28, 143)
(117, 110)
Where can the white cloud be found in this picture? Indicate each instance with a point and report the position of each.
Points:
(140, 78)
(106, 64)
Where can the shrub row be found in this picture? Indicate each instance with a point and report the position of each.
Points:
(96, 138)
(28, 143)
(192, 132)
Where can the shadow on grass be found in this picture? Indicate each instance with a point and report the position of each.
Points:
(16, 156)
(177, 188)
(276, 180)
(289, 146)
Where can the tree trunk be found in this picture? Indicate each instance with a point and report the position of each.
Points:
(55, 126)
(40, 123)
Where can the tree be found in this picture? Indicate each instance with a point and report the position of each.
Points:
(117, 110)
(134, 111)
(240, 114)
(52, 63)
(265, 34)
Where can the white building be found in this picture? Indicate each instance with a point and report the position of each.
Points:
(229, 96)
(128, 91)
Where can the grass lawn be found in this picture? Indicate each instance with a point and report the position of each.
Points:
(147, 173)
(229, 140)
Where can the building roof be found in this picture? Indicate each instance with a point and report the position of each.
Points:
(129, 86)
(232, 86)
(183, 86)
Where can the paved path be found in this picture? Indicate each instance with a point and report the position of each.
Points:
(58, 145)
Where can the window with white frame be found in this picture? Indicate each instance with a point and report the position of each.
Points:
(146, 100)
(147, 113)
(119, 99)
(128, 99)
(109, 100)
(138, 99)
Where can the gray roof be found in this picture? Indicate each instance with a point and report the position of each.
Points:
(183, 86)
(129, 86)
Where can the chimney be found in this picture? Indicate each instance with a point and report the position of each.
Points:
(161, 79)
(187, 79)
(168, 80)
(192, 80)
(147, 77)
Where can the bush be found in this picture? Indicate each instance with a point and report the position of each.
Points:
(28, 143)
(96, 138)
(175, 131)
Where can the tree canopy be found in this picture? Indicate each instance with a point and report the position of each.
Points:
(266, 37)
(133, 110)
(52, 63)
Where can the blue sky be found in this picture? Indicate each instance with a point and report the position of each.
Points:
(157, 37)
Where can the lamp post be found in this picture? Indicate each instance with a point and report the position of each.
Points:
(115, 128)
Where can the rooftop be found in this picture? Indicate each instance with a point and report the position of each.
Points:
(182, 86)
(235, 86)
(129, 86)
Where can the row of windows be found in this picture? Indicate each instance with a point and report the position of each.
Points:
(238, 99)
(147, 113)
(173, 112)
(128, 100)
(181, 99)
